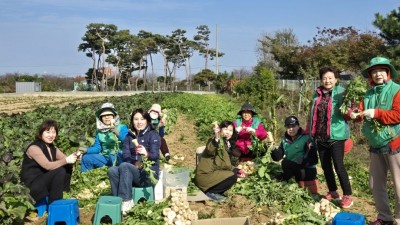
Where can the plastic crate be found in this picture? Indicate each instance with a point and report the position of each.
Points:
(176, 177)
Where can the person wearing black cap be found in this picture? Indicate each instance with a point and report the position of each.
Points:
(109, 140)
(246, 124)
(299, 156)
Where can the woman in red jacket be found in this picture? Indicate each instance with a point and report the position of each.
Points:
(381, 105)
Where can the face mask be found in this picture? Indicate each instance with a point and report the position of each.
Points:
(153, 116)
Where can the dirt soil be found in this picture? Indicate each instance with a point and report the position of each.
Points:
(183, 142)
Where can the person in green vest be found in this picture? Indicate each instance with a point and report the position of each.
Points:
(109, 140)
(329, 129)
(380, 112)
(248, 125)
(299, 156)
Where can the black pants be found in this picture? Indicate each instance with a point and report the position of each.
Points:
(292, 169)
(224, 185)
(333, 151)
(164, 147)
(52, 184)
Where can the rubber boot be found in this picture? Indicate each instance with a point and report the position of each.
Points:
(312, 186)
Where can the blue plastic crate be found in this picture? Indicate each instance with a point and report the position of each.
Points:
(346, 218)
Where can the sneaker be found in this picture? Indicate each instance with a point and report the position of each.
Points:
(347, 202)
(126, 206)
(332, 195)
(216, 197)
(381, 222)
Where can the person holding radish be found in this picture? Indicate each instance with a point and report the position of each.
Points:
(141, 159)
(215, 173)
(248, 126)
(380, 113)
(299, 156)
(158, 120)
(329, 129)
(46, 171)
(109, 140)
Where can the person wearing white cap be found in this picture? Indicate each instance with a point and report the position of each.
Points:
(158, 121)
(109, 140)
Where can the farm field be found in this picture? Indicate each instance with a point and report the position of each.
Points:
(182, 141)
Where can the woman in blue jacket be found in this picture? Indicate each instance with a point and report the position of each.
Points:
(142, 141)
(109, 139)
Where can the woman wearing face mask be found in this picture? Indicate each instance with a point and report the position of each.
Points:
(141, 142)
(158, 120)
(214, 173)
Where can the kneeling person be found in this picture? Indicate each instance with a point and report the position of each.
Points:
(299, 156)
(215, 173)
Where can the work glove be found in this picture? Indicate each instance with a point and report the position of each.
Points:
(71, 159)
(115, 130)
(167, 157)
(142, 150)
(354, 115)
(238, 129)
(369, 113)
(241, 173)
(83, 150)
(250, 130)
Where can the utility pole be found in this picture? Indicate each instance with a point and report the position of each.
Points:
(216, 59)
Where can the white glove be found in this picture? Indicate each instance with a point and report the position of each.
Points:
(354, 115)
(369, 113)
(142, 150)
(115, 130)
(250, 130)
(71, 159)
(238, 129)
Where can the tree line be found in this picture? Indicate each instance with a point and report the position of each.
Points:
(130, 53)
(346, 48)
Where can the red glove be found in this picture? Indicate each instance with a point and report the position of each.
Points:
(241, 173)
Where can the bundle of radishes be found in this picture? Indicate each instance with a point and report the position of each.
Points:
(178, 212)
(326, 208)
(247, 167)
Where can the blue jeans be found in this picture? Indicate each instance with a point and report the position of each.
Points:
(126, 176)
(93, 161)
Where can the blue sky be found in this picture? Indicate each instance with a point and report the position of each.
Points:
(42, 36)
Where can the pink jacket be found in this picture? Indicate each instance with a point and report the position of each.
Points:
(244, 138)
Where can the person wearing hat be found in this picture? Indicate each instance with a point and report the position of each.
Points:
(382, 103)
(328, 127)
(110, 135)
(246, 124)
(158, 121)
(299, 156)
